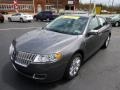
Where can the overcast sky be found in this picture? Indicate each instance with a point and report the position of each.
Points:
(107, 2)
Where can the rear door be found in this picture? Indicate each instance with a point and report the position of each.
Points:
(15, 17)
(104, 30)
(42, 15)
(39, 15)
(18, 17)
(92, 42)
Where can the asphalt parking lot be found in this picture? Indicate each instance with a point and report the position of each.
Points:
(100, 72)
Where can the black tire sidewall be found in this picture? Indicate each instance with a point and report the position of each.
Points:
(35, 19)
(104, 45)
(21, 20)
(67, 75)
(9, 19)
(1, 21)
(116, 23)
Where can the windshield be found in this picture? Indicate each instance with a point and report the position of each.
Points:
(68, 25)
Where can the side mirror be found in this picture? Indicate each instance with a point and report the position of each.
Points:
(93, 32)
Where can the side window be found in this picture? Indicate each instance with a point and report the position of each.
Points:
(40, 14)
(18, 14)
(14, 15)
(102, 21)
(94, 24)
(48, 13)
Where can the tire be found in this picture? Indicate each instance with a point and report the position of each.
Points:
(2, 21)
(47, 19)
(107, 41)
(30, 21)
(35, 19)
(9, 20)
(116, 24)
(41, 20)
(21, 20)
(73, 67)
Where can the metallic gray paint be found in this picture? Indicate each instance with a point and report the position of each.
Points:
(47, 42)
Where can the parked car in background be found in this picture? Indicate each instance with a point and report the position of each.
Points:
(57, 51)
(45, 15)
(1, 18)
(115, 20)
(107, 18)
(20, 17)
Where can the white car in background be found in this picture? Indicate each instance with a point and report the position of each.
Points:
(20, 17)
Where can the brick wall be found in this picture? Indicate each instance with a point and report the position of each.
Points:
(61, 4)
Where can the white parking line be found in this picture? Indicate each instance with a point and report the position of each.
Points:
(19, 28)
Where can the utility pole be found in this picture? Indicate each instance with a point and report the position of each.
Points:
(109, 3)
(57, 5)
(112, 5)
(90, 6)
(34, 6)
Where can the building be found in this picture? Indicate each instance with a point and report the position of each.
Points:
(38, 5)
(62, 4)
(23, 5)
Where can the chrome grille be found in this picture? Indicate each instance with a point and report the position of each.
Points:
(24, 58)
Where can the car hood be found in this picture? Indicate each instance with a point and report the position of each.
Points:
(43, 41)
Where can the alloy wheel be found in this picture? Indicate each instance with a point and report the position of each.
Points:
(75, 65)
(107, 41)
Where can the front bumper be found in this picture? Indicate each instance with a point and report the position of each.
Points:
(42, 72)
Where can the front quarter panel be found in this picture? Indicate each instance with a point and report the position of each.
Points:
(69, 50)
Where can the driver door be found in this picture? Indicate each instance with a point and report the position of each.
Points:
(92, 41)
(14, 17)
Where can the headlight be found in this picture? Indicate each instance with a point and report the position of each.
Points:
(48, 58)
(11, 49)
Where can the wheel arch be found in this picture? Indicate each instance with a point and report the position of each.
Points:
(21, 17)
(110, 34)
(80, 52)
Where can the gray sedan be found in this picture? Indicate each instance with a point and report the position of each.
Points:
(58, 50)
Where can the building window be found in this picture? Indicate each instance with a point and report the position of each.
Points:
(47, 1)
(49, 7)
(20, 7)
